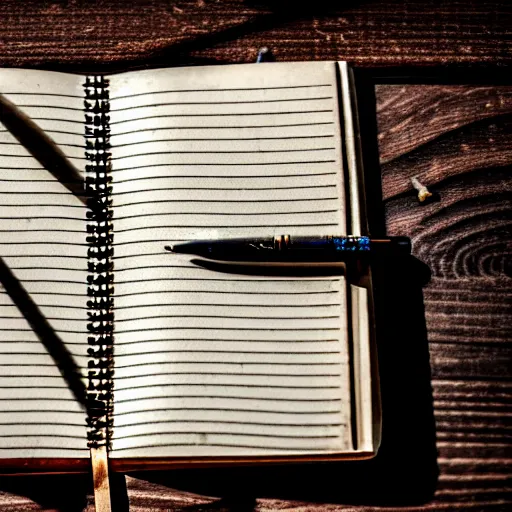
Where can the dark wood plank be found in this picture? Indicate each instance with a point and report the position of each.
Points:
(403, 112)
(457, 140)
(117, 34)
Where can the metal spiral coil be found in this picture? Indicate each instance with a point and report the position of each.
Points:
(100, 266)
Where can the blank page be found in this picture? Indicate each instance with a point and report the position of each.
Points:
(43, 243)
(210, 363)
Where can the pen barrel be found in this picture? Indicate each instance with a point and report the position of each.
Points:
(332, 244)
(294, 249)
(342, 247)
(287, 248)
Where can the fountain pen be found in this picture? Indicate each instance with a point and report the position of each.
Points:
(288, 249)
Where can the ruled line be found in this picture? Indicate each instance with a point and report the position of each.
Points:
(54, 448)
(230, 422)
(54, 107)
(58, 256)
(234, 279)
(226, 397)
(226, 409)
(13, 168)
(47, 318)
(67, 294)
(226, 127)
(81, 269)
(31, 156)
(56, 330)
(219, 176)
(31, 375)
(30, 387)
(232, 226)
(30, 181)
(220, 292)
(192, 351)
(209, 164)
(221, 152)
(17, 144)
(233, 305)
(229, 385)
(222, 445)
(57, 120)
(203, 328)
(44, 243)
(50, 411)
(165, 267)
(37, 94)
(55, 281)
(41, 205)
(217, 139)
(223, 114)
(229, 374)
(43, 230)
(226, 340)
(39, 192)
(42, 424)
(42, 398)
(280, 200)
(221, 433)
(268, 88)
(224, 189)
(53, 131)
(224, 213)
(232, 317)
(237, 363)
(42, 217)
(212, 103)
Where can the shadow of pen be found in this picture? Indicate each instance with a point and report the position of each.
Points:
(308, 270)
(41, 147)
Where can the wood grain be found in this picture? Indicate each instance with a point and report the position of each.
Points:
(116, 34)
(458, 140)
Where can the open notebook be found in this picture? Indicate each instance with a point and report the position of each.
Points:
(196, 365)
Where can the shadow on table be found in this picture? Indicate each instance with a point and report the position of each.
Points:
(63, 493)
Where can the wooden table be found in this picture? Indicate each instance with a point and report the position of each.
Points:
(444, 343)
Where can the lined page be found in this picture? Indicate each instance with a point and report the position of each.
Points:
(42, 241)
(211, 363)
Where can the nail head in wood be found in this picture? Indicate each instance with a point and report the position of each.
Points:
(423, 191)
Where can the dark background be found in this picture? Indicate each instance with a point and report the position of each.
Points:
(435, 88)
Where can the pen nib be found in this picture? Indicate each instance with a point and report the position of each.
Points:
(169, 248)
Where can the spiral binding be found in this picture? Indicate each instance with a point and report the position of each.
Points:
(100, 266)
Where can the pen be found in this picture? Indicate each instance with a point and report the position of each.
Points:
(287, 249)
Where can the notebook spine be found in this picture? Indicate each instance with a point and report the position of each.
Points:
(100, 265)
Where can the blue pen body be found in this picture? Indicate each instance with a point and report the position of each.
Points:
(287, 248)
